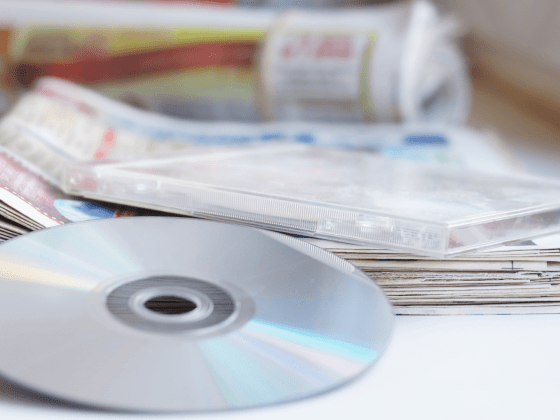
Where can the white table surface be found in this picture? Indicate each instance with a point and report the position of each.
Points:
(445, 367)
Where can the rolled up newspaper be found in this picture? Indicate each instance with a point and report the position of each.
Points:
(372, 64)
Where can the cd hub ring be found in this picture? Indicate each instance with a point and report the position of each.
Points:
(204, 304)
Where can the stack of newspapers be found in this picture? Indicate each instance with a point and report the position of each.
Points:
(521, 277)
(58, 124)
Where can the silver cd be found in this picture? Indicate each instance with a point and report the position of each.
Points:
(174, 314)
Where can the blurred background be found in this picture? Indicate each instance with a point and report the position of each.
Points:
(514, 62)
(493, 65)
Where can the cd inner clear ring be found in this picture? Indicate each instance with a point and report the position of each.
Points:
(212, 305)
(203, 306)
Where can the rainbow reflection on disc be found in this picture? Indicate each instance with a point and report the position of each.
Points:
(177, 314)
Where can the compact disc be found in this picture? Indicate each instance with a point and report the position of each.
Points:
(177, 314)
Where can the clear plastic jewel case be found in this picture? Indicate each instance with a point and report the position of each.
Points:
(347, 196)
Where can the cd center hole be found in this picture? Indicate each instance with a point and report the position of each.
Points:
(170, 305)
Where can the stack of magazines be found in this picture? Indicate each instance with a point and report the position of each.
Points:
(521, 277)
(417, 228)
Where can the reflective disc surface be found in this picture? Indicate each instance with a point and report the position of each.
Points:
(176, 314)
